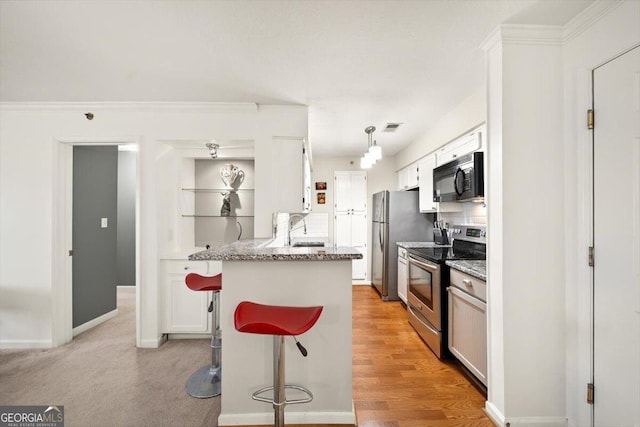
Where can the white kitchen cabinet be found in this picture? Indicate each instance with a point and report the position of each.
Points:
(426, 203)
(459, 147)
(408, 177)
(468, 322)
(292, 175)
(402, 274)
(425, 170)
(350, 216)
(184, 310)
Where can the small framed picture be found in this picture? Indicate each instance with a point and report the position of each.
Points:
(321, 186)
(321, 198)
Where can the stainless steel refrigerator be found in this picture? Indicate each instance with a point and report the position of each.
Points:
(396, 218)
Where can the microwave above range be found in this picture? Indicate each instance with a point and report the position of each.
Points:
(461, 180)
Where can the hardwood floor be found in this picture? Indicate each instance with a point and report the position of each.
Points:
(397, 380)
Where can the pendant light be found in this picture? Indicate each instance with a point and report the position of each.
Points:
(374, 151)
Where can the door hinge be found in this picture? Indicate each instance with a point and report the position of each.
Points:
(70, 252)
(590, 393)
(591, 256)
(590, 119)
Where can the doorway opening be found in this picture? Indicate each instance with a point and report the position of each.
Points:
(96, 232)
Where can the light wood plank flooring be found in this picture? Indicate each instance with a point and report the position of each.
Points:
(397, 380)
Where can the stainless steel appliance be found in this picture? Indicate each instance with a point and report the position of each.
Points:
(429, 277)
(460, 180)
(396, 218)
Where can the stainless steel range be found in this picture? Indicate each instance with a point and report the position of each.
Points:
(429, 277)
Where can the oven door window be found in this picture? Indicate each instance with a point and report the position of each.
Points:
(421, 284)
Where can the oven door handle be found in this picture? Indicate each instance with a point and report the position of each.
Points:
(429, 267)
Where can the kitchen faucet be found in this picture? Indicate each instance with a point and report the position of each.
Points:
(304, 223)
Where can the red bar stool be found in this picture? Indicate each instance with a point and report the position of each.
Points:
(205, 382)
(278, 321)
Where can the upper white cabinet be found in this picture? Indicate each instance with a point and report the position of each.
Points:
(351, 190)
(425, 175)
(408, 177)
(459, 147)
(292, 175)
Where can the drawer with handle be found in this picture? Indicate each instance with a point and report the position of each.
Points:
(402, 252)
(469, 284)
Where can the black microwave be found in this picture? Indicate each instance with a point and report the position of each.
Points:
(460, 180)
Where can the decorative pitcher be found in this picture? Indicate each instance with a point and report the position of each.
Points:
(229, 173)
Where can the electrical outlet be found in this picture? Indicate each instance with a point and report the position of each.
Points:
(104, 222)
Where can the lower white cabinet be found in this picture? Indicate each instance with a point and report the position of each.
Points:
(402, 274)
(468, 323)
(184, 310)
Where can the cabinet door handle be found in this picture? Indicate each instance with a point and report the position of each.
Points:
(467, 282)
(186, 268)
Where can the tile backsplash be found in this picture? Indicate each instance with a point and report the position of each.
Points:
(472, 213)
(317, 225)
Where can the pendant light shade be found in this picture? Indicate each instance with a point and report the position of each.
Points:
(373, 153)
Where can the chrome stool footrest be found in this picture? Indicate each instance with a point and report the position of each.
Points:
(309, 398)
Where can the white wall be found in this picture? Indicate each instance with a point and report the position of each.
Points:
(29, 195)
(380, 177)
(529, 114)
(599, 34)
(538, 202)
(469, 114)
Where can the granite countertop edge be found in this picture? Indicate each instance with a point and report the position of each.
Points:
(477, 269)
(257, 250)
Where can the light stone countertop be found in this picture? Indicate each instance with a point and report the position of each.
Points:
(266, 250)
(476, 269)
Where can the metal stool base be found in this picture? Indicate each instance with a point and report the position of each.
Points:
(309, 398)
(204, 383)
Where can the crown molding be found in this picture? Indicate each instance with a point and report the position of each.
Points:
(524, 34)
(531, 34)
(589, 17)
(153, 107)
(550, 34)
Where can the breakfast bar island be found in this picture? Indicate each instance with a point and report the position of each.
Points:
(259, 271)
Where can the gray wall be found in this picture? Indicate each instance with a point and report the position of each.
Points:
(216, 229)
(95, 189)
(126, 218)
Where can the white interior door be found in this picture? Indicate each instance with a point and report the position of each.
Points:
(616, 210)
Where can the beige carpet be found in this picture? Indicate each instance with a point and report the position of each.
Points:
(102, 379)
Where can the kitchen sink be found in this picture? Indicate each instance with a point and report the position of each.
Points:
(308, 244)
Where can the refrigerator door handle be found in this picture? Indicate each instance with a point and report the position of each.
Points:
(380, 238)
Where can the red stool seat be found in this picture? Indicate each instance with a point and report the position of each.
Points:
(196, 282)
(255, 318)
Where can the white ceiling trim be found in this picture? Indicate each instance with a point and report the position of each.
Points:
(154, 107)
(589, 17)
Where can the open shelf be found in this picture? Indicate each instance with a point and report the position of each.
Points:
(218, 190)
(217, 216)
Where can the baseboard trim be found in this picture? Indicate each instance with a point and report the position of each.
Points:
(361, 282)
(94, 322)
(152, 342)
(536, 422)
(24, 344)
(266, 418)
(494, 414)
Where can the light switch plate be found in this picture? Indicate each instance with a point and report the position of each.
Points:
(104, 222)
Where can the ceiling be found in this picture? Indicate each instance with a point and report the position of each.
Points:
(354, 63)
